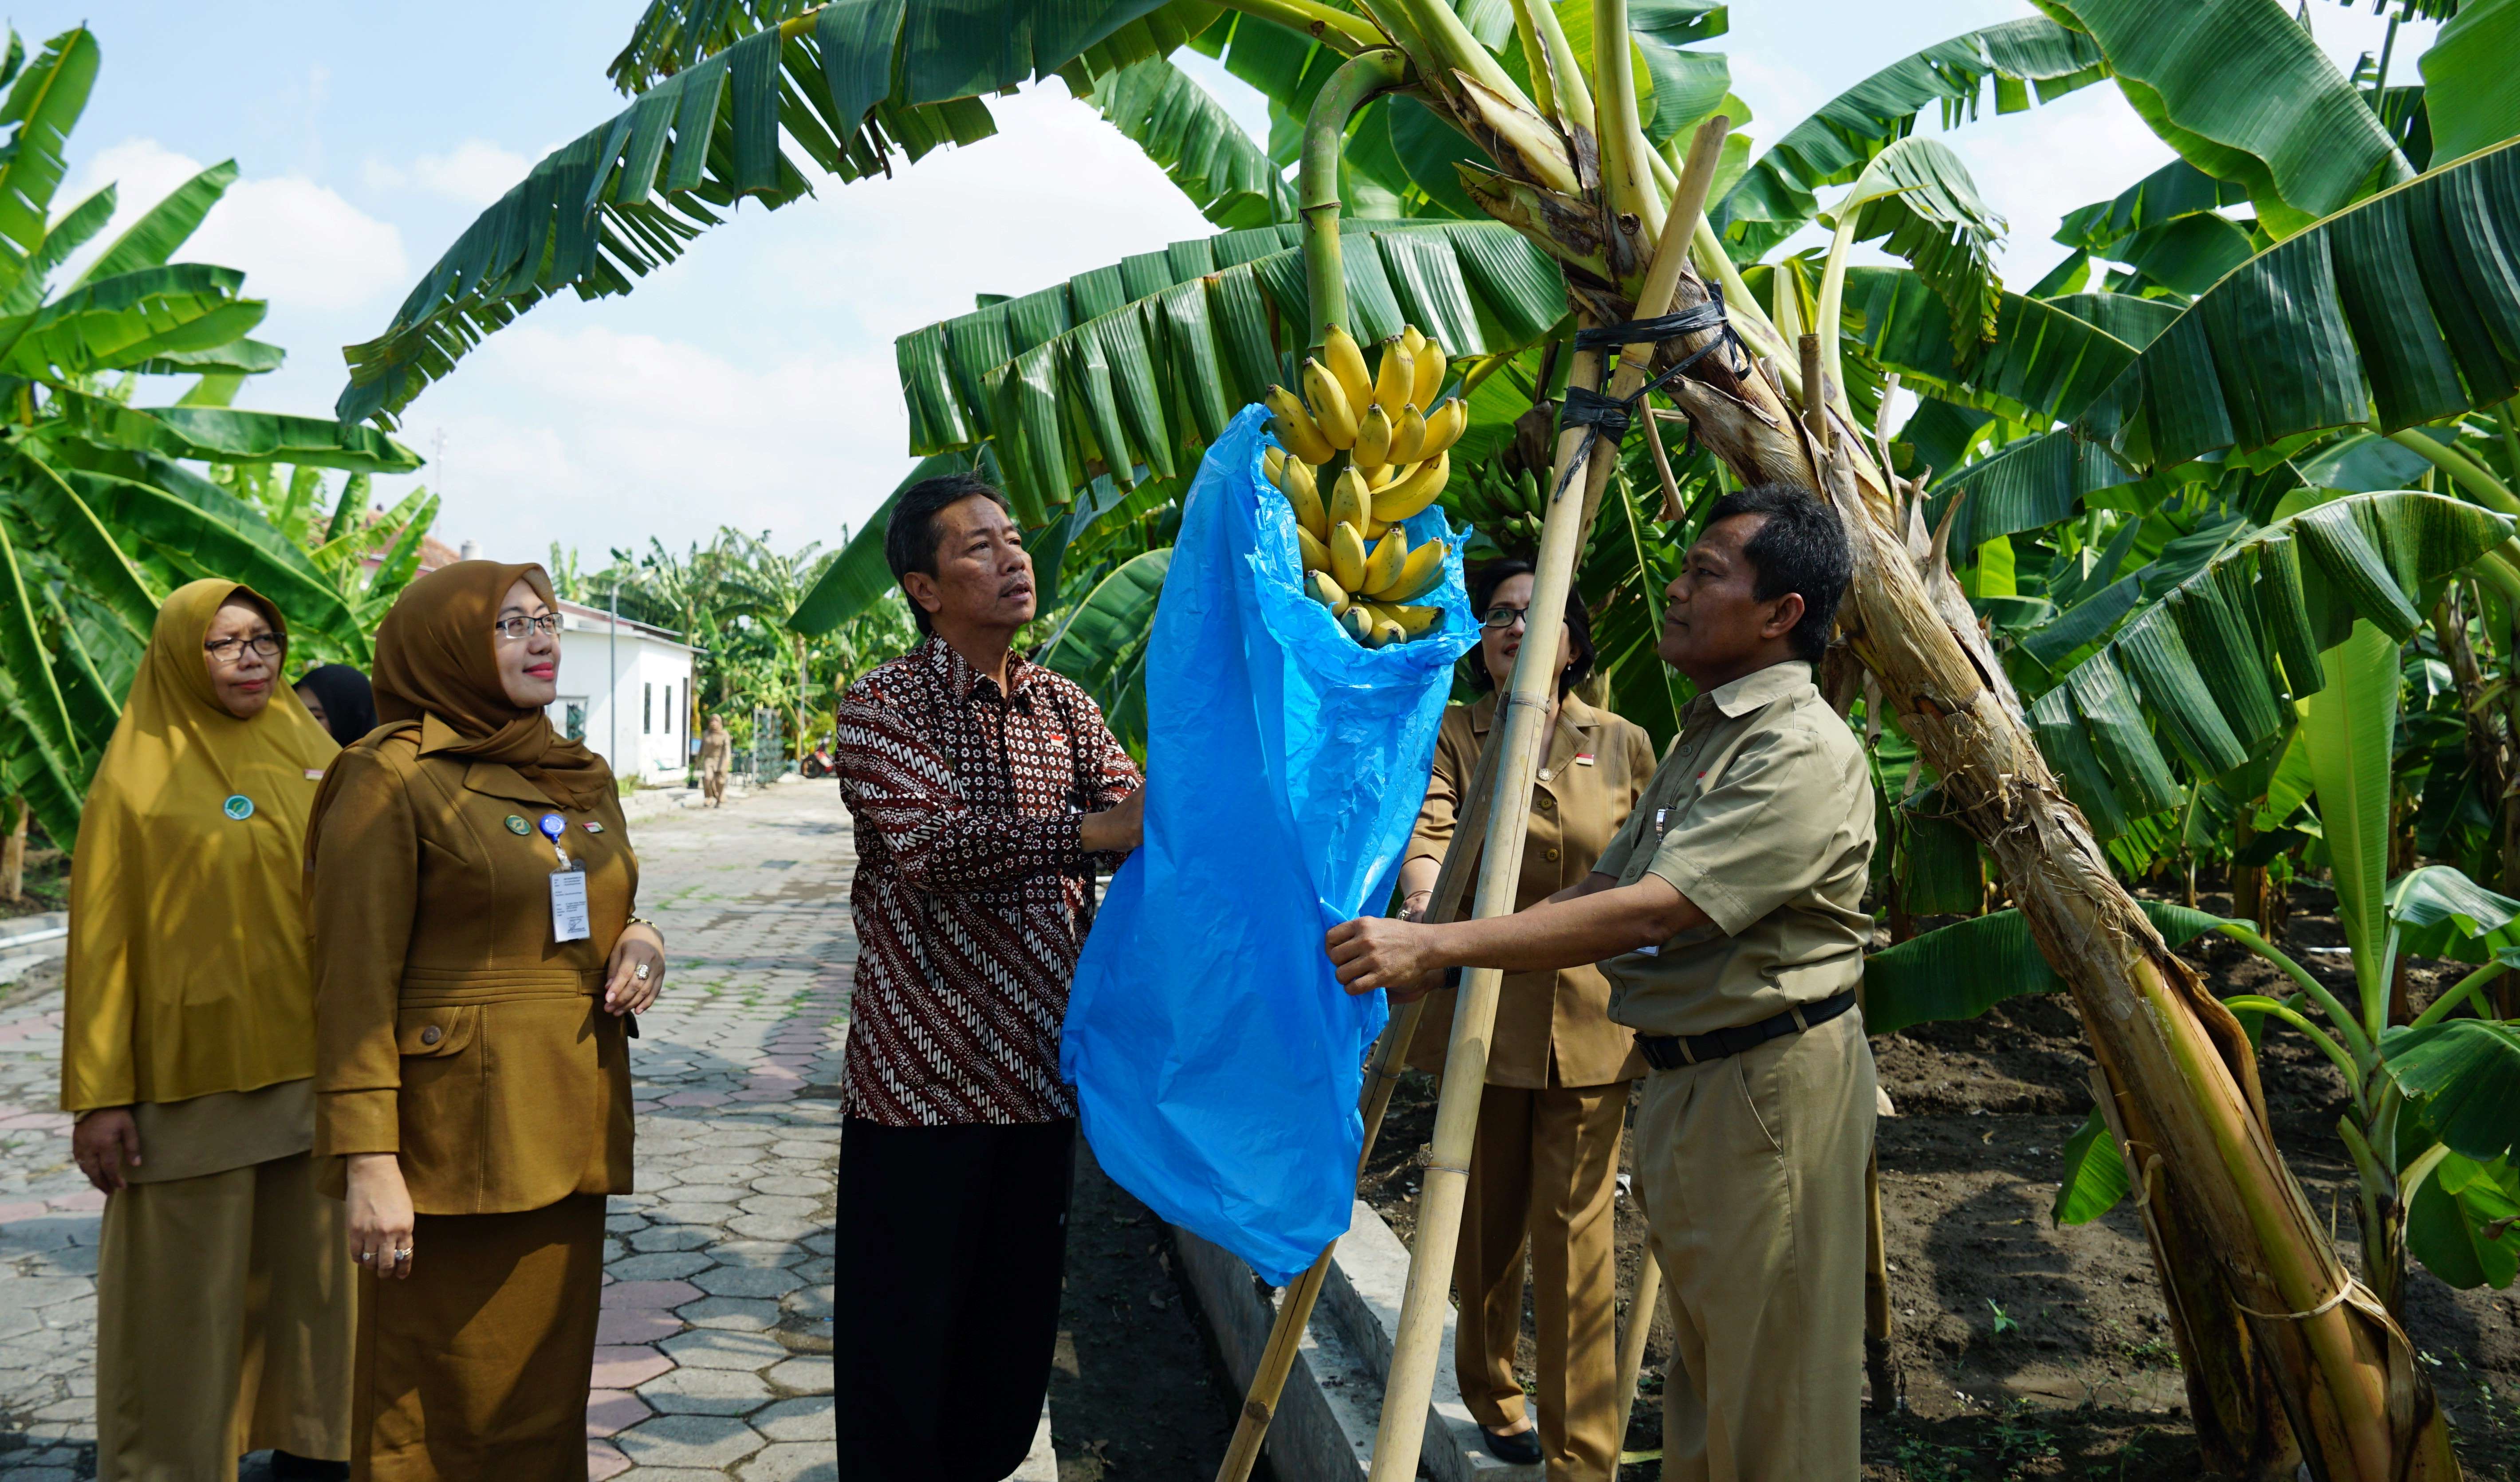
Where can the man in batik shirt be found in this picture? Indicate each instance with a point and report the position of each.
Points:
(986, 792)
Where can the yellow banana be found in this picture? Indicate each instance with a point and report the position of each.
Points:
(1316, 556)
(1322, 589)
(1385, 634)
(1444, 427)
(1305, 496)
(1359, 624)
(1347, 362)
(1351, 500)
(1381, 478)
(1396, 384)
(1273, 462)
(1373, 439)
(1412, 620)
(1331, 412)
(1418, 574)
(1414, 492)
(1408, 434)
(1383, 565)
(1428, 359)
(1295, 427)
(1347, 556)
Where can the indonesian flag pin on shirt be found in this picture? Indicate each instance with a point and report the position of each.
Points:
(1583, 759)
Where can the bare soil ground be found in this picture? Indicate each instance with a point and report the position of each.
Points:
(2034, 1351)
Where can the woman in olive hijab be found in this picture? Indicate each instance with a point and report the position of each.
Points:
(477, 967)
(223, 1287)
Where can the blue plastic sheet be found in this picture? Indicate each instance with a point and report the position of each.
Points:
(1216, 1060)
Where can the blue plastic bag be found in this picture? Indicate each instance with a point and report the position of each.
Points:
(1216, 1060)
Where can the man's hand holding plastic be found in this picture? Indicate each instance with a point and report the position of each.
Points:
(1591, 923)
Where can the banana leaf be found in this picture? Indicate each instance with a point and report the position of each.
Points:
(163, 228)
(75, 536)
(1918, 195)
(2403, 309)
(1182, 128)
(1138, 364)
(223, 434)
(2464, 1074)
(82, 222)
(2094, 1177)
(2350, 727)
(2176, 190)
(2241, 91)
(2214, 663)
(1103, 643)
(2463, 1223)
(858, 82)
(200, 544)
(1776, 198)
(2045, 362)
(1962, 971)
(2469, 101)
(43, 107)
(123, 322)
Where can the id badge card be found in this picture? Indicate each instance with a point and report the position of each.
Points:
(571, 920)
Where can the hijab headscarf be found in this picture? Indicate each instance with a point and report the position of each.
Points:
(437, 660)
(188, 969)
(349, 707)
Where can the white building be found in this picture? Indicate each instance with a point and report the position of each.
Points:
(626, 691)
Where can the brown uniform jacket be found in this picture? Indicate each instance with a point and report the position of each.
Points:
(449, 1027)
(1545, 1021)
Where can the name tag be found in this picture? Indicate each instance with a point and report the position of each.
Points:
(571, 920)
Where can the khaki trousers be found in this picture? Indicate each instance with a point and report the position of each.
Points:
(1752, 1173)
(1544, 1175)
(224, 1318)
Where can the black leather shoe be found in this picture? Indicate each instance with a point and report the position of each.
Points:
(1522, 1448)
(285, 1467)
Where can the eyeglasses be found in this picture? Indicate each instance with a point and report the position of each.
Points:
(1503, 617)
(516, 628)
(231, 650)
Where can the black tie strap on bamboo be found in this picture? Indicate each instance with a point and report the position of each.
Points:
(1602, 416)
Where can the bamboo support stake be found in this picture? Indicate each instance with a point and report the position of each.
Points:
(1401, 1433)
(1390, 1059)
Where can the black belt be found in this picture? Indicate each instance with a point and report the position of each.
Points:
(1670, 1052)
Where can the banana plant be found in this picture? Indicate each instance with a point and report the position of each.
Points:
(105, 504)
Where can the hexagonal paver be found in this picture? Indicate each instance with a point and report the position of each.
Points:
(774, 1226)
(706, 1392)
(661, 1294)
(806, 1418)
(612, 1410)
(696, 1441)
(672, 1237)
(742, 1313)
(791, 1462)
(756, 1253)
(628, 1368)
(748, 1282)
(809, 1373)
(602, 1460)
(716, 1348)
(662, 1266)
(622, 1325)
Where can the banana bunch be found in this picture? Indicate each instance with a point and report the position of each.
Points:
(1394, 462)
(1508, 506)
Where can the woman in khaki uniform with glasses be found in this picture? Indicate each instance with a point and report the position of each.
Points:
(477, 964)
(1545, 1169)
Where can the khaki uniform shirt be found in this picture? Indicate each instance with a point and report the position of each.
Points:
(1761, 816)
(1551, 1028)
(449, 1027)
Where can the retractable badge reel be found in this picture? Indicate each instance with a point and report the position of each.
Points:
(570, 921)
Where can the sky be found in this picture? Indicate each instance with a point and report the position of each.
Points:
(753, 382)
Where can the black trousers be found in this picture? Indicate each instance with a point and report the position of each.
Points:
(952, 1244)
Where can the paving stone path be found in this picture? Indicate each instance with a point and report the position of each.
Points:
(716, 1356)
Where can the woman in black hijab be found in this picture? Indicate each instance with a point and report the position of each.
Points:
(339, 698)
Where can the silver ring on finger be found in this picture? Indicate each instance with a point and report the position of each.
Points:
(402, 1255)
(640, 973)
(364, 1257)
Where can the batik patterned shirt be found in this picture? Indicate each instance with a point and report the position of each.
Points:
(973, 890)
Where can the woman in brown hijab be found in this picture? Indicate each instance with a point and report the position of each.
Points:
(477, 969)
(223, 1290)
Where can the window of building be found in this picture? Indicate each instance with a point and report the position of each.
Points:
(574, 717)
(669, 710)
(647, 709)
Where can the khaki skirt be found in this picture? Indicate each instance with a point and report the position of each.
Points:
(477, 1365)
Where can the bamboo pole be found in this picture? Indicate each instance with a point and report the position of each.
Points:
(1401, 1433)
(1392, 1053)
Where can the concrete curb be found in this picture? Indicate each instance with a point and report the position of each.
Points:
(1325, 1425)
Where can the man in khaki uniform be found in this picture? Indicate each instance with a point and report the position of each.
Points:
(1729, 914)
